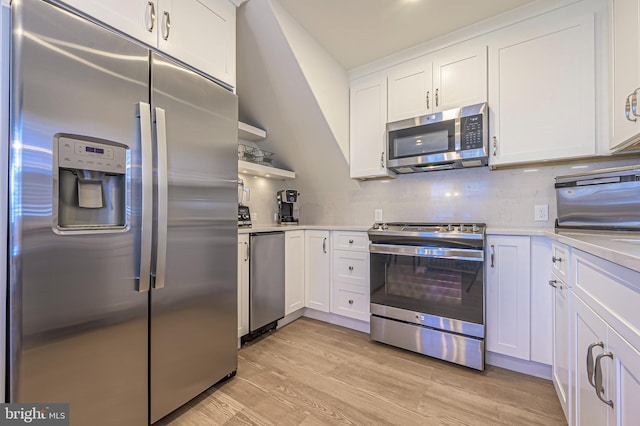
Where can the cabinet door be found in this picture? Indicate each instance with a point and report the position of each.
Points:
(460, 78)
(243, 285)
(317, 270)
(625, 70)
(132, 17)
(293, 271)
(508, 296)
(590, 330)
(409, 90)
(542, 90)
(561, 342)
(200, 33)
(368, 107)
(626, 368)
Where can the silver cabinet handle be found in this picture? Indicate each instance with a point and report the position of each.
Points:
(324, 245)
(163, 198)
(627, 110)
(493, 255)
(598, 378)
(556, 259)
(428, 99)
(247, 252)
(495, 146)
(151, 16)
(590, 361)
(166, 25)
(554, 283)
(146, 219)
(382, 160)
(634, 103)
(436, 97)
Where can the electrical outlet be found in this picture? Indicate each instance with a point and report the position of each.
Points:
(377, 213)
(275, 217)
(541, 213)
(254, 216)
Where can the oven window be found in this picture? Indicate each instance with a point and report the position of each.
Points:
(422, 140)
(447, 288)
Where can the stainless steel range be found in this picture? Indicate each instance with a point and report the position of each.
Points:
(427, 289)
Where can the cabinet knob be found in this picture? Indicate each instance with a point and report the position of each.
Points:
(351, 301)
(351, 268)
(350, 241)
(556, 259)
(553, 283)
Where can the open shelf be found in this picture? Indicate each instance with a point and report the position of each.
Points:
(253, 169)
(250, 133)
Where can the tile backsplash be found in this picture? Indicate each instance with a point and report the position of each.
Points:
(499, 198)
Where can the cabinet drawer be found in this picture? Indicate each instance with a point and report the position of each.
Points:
(350, 301)
(612, 291)
(560, 262)
(351, 267)
(358, 241)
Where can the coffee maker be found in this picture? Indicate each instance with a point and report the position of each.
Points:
(287, 206)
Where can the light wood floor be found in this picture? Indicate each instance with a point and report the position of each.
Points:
(312, 373)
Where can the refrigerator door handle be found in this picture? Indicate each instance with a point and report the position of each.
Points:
(163, 198)
(144, 114)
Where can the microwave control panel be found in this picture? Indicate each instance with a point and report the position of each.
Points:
(471, 132)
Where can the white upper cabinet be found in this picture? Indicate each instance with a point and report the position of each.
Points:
(542, 90)
(453, 78)
(410, 90)
(368, 119)
(200, 33)
(460, 77)
(624, 72)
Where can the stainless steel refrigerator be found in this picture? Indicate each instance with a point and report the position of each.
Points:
(122, 223)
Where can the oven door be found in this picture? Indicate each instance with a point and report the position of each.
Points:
(432, 286)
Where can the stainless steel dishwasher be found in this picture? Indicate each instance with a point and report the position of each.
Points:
(266, 281)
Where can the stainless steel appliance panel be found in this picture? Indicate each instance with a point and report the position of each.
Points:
(78, 325)
(266, 279)
(428, 341)
(193, 317)
(606, 199)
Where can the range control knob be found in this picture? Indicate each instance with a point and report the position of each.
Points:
(384, 226)
(462, 228)
(474, 228)
(450, 228)
(376, 225)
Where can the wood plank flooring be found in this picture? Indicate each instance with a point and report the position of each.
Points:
(312, 373)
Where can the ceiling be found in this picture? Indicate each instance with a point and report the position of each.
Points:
(356, 32)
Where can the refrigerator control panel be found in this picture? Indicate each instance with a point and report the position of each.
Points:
(86, 155)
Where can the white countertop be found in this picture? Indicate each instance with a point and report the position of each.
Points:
(271, 228)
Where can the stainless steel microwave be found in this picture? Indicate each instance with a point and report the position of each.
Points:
(449, 139)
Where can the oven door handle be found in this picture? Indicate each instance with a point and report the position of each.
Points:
(420, 251)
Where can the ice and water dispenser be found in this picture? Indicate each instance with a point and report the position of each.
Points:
(91, 184)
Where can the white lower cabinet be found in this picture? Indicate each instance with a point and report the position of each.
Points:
(560, 359)
(293, 271)
(508, 295)
(604, 311)
(317, 270)
(243, 284)
(350, 276)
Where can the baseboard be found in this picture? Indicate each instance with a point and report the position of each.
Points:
(334, 319)
(531, 368)
(290, 318)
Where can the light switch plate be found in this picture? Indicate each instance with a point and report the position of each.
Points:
(377, 213)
